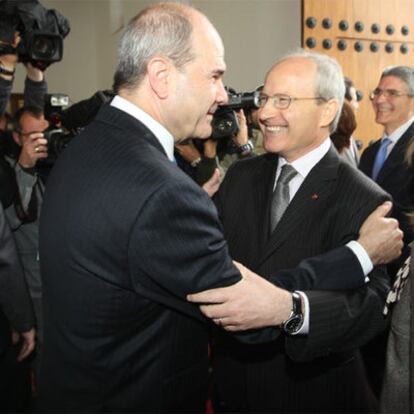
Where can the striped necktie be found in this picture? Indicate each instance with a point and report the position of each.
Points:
(281, 195)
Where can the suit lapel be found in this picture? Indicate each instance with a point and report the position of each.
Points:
(308, 200)
(396, 157)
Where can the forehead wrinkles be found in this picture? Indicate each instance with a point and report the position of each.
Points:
(291, 75)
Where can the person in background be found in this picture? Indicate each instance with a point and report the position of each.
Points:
(397, 394)
(351, 97)
(342, 135)
(384, 162)
(22, 149)
(17, 327)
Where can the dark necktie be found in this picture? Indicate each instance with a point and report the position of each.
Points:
(380, 158)
(281, 195)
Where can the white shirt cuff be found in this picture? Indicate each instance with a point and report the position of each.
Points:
(363, 258)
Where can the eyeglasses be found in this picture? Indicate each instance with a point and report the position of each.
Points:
(281, 101)
(386, 93)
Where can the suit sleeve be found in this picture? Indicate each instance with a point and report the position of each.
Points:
(342, 321)
(14, 296)
(191, 254)
(338, 269)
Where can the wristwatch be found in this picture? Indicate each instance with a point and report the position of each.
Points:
(195, 162)
(246, 148)
(295, 320)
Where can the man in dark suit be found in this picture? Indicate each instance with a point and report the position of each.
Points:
(314, 365)
(384, 161)
(125, 235)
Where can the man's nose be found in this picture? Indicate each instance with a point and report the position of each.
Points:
(222, 97)
(267, 111)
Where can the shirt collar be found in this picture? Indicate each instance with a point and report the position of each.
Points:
(163, 136)
(399, 132)
(304, 164)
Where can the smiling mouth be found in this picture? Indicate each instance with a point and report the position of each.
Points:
(275, 129)
(383, 109)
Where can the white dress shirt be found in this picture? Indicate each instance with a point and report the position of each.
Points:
(397, 134)
(162, 135)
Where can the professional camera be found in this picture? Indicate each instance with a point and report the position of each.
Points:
(57, 137)
(225, 123)
(66, 122)
(41, 30)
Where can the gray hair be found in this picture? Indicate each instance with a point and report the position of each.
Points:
(162, 29)
(405, 73)
(329, 82)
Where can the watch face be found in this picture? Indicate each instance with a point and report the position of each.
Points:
(293, 324)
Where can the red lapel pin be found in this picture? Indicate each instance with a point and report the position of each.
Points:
(314, 196)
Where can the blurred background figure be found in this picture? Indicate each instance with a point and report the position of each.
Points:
(342, 136)
(397, 395)
(17, 327)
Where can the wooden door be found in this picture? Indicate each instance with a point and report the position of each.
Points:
(365, 36)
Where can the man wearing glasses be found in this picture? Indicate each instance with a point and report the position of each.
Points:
(384, 161)
(306, 201)
(393, 103)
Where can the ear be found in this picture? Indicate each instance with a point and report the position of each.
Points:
(17, 138)
(329, 112)
(411, 106)
(159, 75)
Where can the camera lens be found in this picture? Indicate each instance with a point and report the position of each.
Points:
(44, 47)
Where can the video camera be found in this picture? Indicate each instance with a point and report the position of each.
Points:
(66, 122)
(41, 30)
(225, 123)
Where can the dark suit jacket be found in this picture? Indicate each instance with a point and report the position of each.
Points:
(395, 178)
(15, 303)
(318, 372)
(124, 237)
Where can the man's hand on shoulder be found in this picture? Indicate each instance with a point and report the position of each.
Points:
(380, 235)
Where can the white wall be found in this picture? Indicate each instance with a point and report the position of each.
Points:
(254, 33)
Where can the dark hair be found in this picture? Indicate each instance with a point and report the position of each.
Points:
(405, 73)
(35, 111)
(341, 138)
(348, 85)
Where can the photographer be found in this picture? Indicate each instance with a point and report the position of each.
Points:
(23, 216)
(200, 158)
(22, 192)
(236, 128)
(238, 146)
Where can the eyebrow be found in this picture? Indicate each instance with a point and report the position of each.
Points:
(218, 72)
